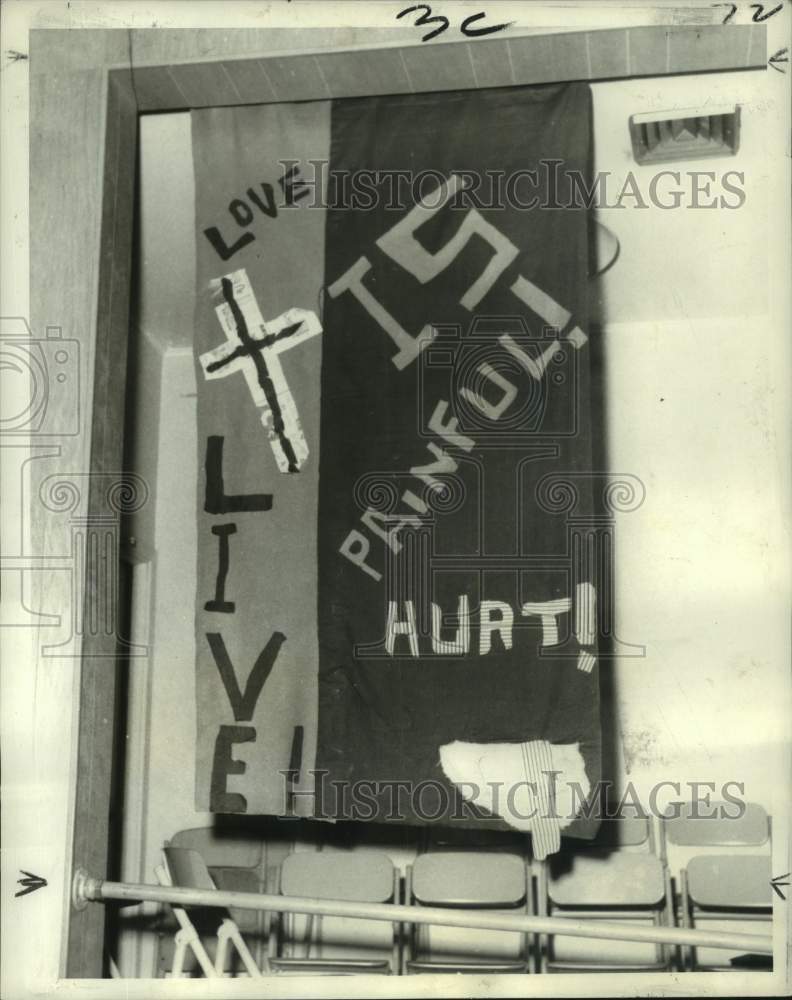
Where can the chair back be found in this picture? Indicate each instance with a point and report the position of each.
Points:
(236, 863)
(188, 869)
(751, 829)
(363, 878)
(481, 879)
(617, 834)
(482, 837)
(220, 849)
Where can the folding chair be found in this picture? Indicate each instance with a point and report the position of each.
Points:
(618, 886)
(237, 859)
(186, 868)
(711, 827)
(718, 889)
(342, 945)
(466, 879)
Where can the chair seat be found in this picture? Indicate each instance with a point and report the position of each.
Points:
(339, 966)
(484, 879)
(554, 966)
(609, 880)
(469, 968)
(240, 880)
(725, 880)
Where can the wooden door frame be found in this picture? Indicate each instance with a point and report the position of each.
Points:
(100, 98)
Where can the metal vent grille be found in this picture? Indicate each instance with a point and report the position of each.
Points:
(688, 135)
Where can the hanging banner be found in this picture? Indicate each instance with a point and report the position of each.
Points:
(396, 614)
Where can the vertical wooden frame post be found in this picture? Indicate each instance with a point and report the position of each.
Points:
(98, 673)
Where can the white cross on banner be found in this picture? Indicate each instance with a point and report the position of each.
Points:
(252, 347)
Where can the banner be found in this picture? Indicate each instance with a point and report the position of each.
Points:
(396, 616)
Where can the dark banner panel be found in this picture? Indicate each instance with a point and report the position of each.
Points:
(454, 646)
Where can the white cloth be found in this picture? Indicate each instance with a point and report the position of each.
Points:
(536, 786)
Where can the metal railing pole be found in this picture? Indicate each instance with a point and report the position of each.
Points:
(86, 889)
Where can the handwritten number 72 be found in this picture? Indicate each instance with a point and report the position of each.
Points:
(426, 17)
(758, 9)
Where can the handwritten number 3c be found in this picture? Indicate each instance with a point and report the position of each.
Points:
(426, 17)
(487, 30)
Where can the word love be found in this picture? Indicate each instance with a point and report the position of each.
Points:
(257, 201)
(493, 618)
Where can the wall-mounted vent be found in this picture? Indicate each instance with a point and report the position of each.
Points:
(660, 136)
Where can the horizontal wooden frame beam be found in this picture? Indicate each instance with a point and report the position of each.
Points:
(498, 62)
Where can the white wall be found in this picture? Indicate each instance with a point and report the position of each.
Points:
(693, 377)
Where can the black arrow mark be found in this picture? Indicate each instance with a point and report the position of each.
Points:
(776, 884)
(779, 57)
(30, 882)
